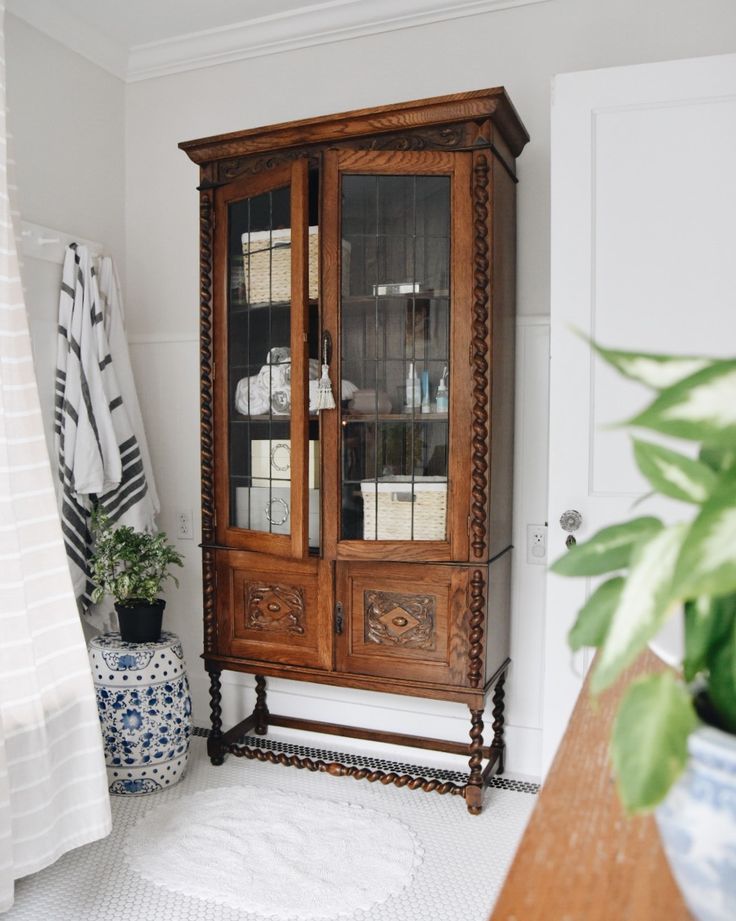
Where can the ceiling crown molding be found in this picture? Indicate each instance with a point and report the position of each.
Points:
(316, 24)
(312, 24)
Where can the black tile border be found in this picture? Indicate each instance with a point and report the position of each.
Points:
(364, 761)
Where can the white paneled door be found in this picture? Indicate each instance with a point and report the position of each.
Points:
(643, 258)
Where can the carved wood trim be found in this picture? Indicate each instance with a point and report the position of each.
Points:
(206, 241)
(274, 608)
(393, 619)
(479, 350)
(444, 138)
(235, 167)
(477, 618)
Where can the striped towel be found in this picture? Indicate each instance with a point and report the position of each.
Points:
(99, 458)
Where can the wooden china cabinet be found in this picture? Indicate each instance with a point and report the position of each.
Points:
(365, 545)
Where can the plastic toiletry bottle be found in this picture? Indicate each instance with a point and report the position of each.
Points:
(425, 392)
(443, 402)
(413, 389)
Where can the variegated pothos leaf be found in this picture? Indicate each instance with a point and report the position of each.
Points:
(644, 605)
(607, 550)
(673, 474)
(707, 562)
(701, 407)
(655, 371)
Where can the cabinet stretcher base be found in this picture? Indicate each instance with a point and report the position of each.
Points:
(221, 743)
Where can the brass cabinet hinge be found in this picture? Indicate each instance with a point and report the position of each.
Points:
(339, 620)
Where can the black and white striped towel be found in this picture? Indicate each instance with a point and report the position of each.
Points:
(98, 454)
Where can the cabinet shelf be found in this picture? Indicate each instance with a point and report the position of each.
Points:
(368, 298)
(246, 420)
(236, 307)
(395, 417)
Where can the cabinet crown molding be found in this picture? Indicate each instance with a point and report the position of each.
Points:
(493, 103)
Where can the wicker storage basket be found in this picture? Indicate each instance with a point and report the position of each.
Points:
(267, 254)
(267, 265)
(390, 501)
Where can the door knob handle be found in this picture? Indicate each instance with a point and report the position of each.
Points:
(570, 521)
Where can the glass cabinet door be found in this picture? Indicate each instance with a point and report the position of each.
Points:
(272, 471)
(395, 320)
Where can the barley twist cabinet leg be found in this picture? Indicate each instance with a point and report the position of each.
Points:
(498, 746)
(261, 709)
(214, 741)
(474, 786)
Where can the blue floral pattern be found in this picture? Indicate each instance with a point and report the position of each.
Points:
(697, 823)
(145, 711)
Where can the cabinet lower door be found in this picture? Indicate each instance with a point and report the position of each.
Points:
(404, 621)
(274, 610)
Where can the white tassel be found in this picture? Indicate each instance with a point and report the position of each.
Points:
(325, 399)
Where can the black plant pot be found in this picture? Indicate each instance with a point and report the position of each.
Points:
(140, 621)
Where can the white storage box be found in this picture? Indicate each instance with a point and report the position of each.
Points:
(255, 505)
(271, 458)
(390, 502)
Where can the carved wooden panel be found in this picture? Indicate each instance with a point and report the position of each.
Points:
(270, 610)
(403, 621)
(277, 608)
(400, 620)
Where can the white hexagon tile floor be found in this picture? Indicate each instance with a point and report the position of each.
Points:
(461, 865)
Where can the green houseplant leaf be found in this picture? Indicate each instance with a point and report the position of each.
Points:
(722, 676)
(645, 602)
(707, 625)
(607, 550)
(707, 564)
(718, 458)
(595, 616)
(649, 744)
(691, 564)
(129, 565)
(700, 407)
(673, 474)
(656, 371)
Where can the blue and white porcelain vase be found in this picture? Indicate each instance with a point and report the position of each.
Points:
(145, 711)
(697, 823)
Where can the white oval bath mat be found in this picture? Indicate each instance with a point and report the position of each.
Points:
(279, 855)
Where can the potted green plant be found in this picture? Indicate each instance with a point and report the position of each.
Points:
(131, 566)
(674, 738)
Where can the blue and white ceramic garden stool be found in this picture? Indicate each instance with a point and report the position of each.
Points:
(145, 711)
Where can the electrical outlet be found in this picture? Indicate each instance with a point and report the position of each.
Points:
(536, 544)
(184, 529)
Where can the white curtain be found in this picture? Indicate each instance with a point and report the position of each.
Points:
(53, 789)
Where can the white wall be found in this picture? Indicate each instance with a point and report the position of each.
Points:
(67, 118)
(520, 49)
